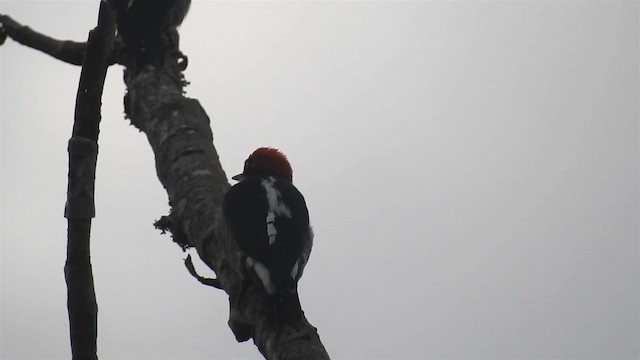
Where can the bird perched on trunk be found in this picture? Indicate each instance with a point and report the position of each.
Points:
(268, 219)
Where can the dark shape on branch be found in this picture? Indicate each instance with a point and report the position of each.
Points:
(149, 28)
(166, 224)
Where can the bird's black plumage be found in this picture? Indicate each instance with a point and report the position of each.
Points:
(246, 208)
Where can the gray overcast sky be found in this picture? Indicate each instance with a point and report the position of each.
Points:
(471, 170)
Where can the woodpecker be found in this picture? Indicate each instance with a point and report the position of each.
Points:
(269, 221)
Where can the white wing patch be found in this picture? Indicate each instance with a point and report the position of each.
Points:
(263, 274)
(294, 270)
(276, 208)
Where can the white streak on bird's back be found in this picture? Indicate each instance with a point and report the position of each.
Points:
(276, 208)
(271, 227)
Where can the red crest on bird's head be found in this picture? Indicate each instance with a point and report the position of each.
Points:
(266, 161)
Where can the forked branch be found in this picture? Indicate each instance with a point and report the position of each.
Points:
(187, 163)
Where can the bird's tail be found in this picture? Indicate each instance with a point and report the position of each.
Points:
(288, 310)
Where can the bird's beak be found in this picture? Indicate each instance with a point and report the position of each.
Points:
(238, 177)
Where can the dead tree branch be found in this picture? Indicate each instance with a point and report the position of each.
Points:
(71, 52)
(187, 163)
(80, 209)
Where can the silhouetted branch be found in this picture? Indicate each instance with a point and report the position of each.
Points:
(80, 208)
(71, 52)
(187, 164)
